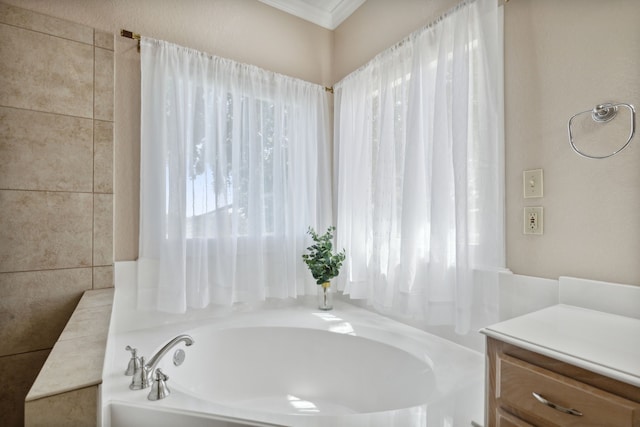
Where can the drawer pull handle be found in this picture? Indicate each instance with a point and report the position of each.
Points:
(556, 407)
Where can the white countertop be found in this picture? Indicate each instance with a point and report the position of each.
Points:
(604, 343)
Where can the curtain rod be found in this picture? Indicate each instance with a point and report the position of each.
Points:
(135, 36)
(131, 35)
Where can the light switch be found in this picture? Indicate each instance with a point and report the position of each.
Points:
(532, 183)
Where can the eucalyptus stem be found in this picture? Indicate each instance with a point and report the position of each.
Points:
(322, 262)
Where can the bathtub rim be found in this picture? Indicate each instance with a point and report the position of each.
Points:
(128, 333)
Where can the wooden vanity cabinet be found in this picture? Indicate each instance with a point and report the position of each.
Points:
(515, 374)
(505, 419)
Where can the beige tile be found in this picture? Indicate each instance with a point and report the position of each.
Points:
(103, 277)
(72, 364)
(103, 157)
(45, 73)
(87, 322)
(45, 24)
(103, 230)
(44, 230)
(97, 298)
(126, 162)
(18, 373)
(103, 39)
(35, 306)
(103, 98)
(77, 408)
(42, 151)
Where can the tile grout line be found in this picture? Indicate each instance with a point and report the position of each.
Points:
(55, 191)
(48, 34)
(55, 269)
(53, 113)
(46, 191)
(27, 352)
(93, 162)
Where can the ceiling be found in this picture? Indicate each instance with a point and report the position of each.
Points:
(326, 13)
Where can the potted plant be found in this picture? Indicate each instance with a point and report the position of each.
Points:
(323, 264)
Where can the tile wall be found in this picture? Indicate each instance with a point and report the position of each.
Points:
(56, 186)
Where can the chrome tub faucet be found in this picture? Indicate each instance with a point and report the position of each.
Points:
(143, 374)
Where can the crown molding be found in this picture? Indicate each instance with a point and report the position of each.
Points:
(329, 19)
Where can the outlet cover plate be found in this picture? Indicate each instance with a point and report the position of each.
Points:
(533, 220)
(532, 185)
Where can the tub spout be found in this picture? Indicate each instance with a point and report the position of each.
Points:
(142, 378)
(168, 346)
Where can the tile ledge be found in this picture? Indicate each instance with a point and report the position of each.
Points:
(96, 299)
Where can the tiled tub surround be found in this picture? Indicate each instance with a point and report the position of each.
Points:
(66, 393)
(56, 186)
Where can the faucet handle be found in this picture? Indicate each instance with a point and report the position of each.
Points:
(159, 389)
(139, 380)
(134, 362)
(161, 376)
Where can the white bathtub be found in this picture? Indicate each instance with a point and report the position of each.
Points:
(294, 370)
(288, 364)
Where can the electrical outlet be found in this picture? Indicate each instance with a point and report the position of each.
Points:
(532, 185)
(533, 220)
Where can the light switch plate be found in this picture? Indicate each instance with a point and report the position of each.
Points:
(532, 183)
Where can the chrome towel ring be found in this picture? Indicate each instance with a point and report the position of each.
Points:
(603, 113)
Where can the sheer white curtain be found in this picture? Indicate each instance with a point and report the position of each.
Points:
(419, 154)
(234, 167)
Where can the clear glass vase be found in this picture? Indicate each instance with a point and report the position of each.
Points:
(325, 296)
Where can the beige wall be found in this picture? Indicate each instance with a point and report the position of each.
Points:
(554, 67)
(552, 70)
(378, 25)
(244, 30)
(56, 186)
(561, 57)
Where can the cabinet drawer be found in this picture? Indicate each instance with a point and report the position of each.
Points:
(504, 419)
(518, 380)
